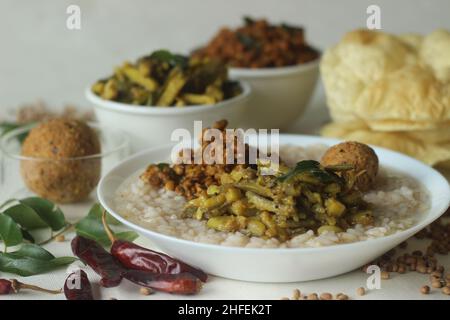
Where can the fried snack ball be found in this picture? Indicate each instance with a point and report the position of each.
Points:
(361, 156)
(55, 170)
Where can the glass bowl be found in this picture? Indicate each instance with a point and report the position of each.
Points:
(64, 179)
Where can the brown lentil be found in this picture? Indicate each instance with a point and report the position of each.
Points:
(360, 291)
(341, 296)
(421, 268)
(145, 291)
(446, 290)
(436, 284)
(425, 289)
(60, 238)
(385, 275)
(436, 274)
(296, 294)
(192, 180)
(312, 296)
(326, 296)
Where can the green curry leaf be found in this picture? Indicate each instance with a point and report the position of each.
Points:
(25, 216)
(308, 171)
(47, 211)
(170, 58)
(27, 236)
(10, 231)
(28, 266)
(34, 251)
(91, 227)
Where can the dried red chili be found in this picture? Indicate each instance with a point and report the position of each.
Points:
(6, 287)
(100, 260)
(182, 283)
(78, 287)
(13, 286)
(136, 257)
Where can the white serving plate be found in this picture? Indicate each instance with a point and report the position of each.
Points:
(287, 264)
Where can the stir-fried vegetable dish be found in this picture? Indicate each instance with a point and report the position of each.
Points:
(164, 79)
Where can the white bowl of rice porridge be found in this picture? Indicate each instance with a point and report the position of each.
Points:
(407, 196)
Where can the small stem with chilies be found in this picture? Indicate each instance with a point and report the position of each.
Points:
(108, 230)
(17, 286)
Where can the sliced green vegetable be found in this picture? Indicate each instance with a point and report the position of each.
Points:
(249, 185)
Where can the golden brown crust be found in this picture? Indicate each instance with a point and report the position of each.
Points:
(429, 146)
(391, 82)
(61, 138)
(361, 156)
(54, 175)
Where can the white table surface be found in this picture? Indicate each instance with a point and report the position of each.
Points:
(405, 286)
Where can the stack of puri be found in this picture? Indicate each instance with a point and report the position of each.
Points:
(392, 91)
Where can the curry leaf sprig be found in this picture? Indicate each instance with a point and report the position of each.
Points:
(91, 227)
(307, 169)
(31, 259)
(20, 218)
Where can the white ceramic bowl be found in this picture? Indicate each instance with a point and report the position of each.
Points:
(290, 264)
(152, 126)
(279, 95)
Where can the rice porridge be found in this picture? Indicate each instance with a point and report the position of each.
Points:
(397, 201)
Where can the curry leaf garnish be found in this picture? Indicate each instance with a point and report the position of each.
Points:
(310, 168)
(10, 231)
(47, 211)
(91, 227)
(170, 58)
(248, 41)
(248, 20)
(31, 260)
